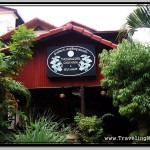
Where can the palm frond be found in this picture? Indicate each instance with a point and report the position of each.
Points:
(139, 18)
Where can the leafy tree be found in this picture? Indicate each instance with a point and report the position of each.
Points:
(126, 72)
(10, 63)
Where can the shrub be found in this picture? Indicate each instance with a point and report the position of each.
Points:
(89, 129)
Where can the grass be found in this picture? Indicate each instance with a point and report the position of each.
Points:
(42, 130)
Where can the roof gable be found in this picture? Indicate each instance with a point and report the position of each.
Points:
(34, 23)
(83, 31)
(39, 22)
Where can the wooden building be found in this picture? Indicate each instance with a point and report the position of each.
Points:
(64, 74)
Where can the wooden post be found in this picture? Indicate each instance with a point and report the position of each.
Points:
(82, 100)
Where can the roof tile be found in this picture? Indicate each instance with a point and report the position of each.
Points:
(100, 38)
(54, 31)
(106, 42)
(85, 32)
(78, 29)
(95, 37)
(113, 45)
(51, 32)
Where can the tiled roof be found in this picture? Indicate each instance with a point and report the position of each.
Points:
(31, 24)
(70, 26)
(38, 22)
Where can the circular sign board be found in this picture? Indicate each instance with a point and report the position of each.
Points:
(70, 61)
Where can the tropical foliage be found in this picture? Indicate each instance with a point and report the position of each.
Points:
(126, 76)
(10, 63)
(139, 18)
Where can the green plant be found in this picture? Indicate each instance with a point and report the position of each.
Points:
(89, 129)
(10, 63)
(126, 77)
(137, 19)
(42, 130)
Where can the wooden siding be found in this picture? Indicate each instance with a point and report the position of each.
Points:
(33, 74)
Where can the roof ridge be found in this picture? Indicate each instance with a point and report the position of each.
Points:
(74, 22)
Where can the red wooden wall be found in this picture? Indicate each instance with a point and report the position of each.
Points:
(33, 74)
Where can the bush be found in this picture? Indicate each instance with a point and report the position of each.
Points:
(89, 129)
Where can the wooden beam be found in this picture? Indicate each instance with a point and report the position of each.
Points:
(82, 100)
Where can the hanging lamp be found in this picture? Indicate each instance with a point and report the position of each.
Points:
(62, 95)
(103, 92)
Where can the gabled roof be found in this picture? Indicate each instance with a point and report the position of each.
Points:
(56, 30)
(69, 26)
(81, 25)
(39, 22)
(19, 21)
(31, 24)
